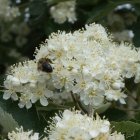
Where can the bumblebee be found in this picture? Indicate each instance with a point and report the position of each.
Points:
(44, 64)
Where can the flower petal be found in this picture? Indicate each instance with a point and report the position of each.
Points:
(44, 101)
(6, 95)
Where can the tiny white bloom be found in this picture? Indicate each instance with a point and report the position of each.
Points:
(64, 11)
(73, 125)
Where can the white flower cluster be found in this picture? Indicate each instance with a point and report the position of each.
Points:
(20, 134)
(29, 82)
(89, 64)
(75, 126)
(123, 6)
(86, 63)
(7, 13)
(125, 35)
(64, 11)
(119, 24)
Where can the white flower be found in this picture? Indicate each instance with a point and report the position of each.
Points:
(73, 125)
(117, 85)
(26, 73)
(64, 11)
(25, 98)
(20, 134)
(115, 95)
(8, 13)
(123, 6)
(116, 136)
(10, 89)
(29, 83)
(96, 32)
(40, 92)
(31, 95)
(82, 81)
(92, 95)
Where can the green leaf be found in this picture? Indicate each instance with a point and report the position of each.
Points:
(52, 2)
(99, 11)
(126, 127)
(115, 115)
(135, 137)
(37, 11)
(26, 118)
(137, 116)
(88, 2)
(7, 122)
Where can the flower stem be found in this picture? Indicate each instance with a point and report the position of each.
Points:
(78, 104)
(90, 111)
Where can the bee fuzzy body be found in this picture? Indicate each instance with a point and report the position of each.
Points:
(44, 64)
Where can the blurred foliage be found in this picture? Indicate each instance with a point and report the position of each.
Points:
(41, 23)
